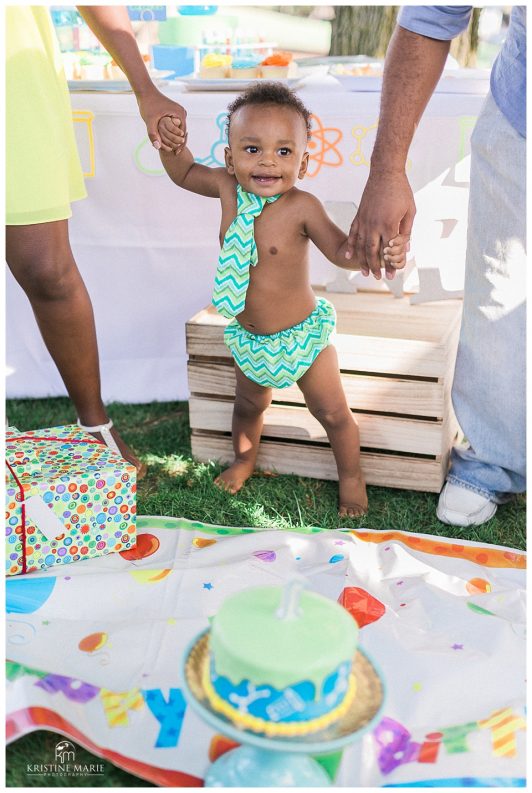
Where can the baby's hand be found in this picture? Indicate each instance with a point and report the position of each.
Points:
(394, 254)
(171, 133)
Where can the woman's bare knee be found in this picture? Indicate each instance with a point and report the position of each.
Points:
(41, 261)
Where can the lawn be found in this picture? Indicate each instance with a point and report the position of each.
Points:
(176, 485)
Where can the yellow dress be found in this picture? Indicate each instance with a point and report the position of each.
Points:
(43, 170)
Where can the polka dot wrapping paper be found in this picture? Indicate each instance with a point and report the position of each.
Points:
(88, 488)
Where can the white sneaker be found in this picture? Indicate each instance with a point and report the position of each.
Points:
(460, 506)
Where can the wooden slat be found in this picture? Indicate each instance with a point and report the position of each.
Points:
(316, 461)
(296, 423)
(394, 357)
(382, 314)
(377, 314)
(363, 392)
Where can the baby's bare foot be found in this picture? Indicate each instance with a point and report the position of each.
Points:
(234, 477)
(353, 499)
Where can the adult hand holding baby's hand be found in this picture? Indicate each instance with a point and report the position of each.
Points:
(171, 134)
(154, 107)
(386, 208)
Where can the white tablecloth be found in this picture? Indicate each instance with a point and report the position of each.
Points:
(148, 250)
(96, 654)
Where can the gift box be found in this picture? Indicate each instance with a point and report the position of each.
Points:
(68, 497)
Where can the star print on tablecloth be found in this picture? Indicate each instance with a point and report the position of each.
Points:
(208, 585)
(322, 147)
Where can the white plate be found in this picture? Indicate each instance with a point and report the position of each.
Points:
(113, 86)
(459, 81)
(358, 83)
(230, 83)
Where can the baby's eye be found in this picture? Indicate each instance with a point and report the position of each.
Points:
(251, 149)
(285, 151)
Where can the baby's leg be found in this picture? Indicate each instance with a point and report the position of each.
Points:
(325, 398)
(251, 401)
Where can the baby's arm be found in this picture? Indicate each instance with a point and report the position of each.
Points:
(180, 165)
(332, 241)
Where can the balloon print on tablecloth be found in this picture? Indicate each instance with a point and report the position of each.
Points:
(362, 606)
(149, 576)
(147, 544)
(480, 610)
(322, 147)
(219, 745)
(19, 632)
(26, 595)
(478, 586)
(265, 556)
(202, 542)
(93, 643)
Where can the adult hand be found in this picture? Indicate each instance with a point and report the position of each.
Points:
(386, 208)
(153, 105)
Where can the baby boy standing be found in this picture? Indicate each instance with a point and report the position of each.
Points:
(280, 333)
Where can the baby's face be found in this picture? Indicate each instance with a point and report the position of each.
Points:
(267, 149)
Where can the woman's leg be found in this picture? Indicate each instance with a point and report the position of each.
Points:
(251, 401)
(325, 398)
(40, 258)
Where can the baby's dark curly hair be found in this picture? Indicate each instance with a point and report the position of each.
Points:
(269, 93)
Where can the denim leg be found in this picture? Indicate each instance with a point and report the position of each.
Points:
(489, 381)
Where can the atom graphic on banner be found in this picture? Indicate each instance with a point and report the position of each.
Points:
(322, 147)
(358, 157)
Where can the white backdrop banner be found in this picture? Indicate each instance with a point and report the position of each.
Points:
(148, 250)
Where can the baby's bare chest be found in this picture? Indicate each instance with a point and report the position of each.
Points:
(279, 237)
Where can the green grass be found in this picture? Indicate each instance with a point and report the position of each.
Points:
(178, 486)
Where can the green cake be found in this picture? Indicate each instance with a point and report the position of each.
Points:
(280, 660)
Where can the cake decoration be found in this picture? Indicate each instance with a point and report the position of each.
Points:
(280, 660)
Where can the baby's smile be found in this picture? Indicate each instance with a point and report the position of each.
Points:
(266, 179)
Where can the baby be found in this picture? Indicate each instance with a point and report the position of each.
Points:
(279, 333)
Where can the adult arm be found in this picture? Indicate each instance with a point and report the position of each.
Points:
(413, 66)
(111, 26)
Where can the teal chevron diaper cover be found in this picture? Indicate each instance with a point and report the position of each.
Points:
(279, 359)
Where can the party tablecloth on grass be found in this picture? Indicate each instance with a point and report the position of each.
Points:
(94, 651)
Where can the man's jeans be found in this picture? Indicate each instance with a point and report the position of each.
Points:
(489, 381)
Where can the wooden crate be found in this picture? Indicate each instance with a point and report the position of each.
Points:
(396, 362)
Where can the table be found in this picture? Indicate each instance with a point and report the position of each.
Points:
(147, 250)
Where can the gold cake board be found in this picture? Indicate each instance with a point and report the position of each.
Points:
(366, 704)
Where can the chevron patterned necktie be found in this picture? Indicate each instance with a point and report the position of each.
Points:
(238, 253)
